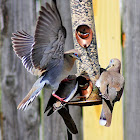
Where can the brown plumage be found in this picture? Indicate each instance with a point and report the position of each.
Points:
(111, 84)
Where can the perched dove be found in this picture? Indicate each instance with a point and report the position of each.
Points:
(111, 84)
(67, 90)
(43, 54)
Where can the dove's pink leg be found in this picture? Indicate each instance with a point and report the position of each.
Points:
(59, 98)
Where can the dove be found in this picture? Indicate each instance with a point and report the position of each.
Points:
(111, 85)
(67, 90)
(43, 55)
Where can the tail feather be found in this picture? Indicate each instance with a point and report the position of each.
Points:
(68, 120)
(51, 111)
(33, 93)
(106, 114)
(103, 120)
(51, 101)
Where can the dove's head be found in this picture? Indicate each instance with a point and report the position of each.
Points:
(114, 65)
(75, 54)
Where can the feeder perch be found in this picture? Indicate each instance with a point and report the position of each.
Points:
(88, 95)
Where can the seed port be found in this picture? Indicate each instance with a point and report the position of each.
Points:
(84, 35)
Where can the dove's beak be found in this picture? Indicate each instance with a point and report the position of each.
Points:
(80, 59)
(108, 66)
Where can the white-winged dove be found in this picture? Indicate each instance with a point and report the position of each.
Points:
(43, 54)
(111, 85)
(67, 90)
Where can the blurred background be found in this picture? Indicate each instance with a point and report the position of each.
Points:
(117, 24)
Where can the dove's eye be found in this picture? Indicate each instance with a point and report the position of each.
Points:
(111, 61)
(76, 54)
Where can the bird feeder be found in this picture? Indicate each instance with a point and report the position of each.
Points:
(84, 37)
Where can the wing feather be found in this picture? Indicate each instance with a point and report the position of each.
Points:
(46, 49)
(22, 45)
(49, 37)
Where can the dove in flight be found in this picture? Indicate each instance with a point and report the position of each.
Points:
(43, 55)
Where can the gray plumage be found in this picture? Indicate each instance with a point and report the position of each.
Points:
(43, 54)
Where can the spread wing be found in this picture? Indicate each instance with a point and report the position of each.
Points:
(49, 39)
(22, 45)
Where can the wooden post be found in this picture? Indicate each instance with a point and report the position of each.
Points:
(16, 81)
(82, 15)
(131, 28)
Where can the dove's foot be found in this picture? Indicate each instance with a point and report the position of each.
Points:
(59, 98)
